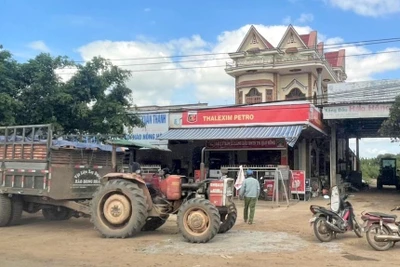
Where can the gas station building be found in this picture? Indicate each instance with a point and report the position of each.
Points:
(292, 108)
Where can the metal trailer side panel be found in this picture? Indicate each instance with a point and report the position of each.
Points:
(24, 159)
(76, 174)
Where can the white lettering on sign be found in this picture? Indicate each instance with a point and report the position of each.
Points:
(156, 124)
(216, 191)
(144, 136)
(227, 118)
(87, 177)
(357, 111)
(154, 119)
(217, 185)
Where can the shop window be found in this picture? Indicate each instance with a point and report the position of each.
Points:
(295, 94)
(264, 157)
(268, 95)
(254, 96)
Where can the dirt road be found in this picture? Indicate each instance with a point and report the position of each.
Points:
(280, 237)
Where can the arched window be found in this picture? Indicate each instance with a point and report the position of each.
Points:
(295, 94)
(253, 96)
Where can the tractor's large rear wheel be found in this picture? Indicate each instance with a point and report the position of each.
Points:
(228, 220)
(119, 209)
(198, 220)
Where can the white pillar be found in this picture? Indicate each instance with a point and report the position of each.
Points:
(303, 155)
(319, 86)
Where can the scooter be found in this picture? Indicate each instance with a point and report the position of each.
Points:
(339, 219)
(382, 230)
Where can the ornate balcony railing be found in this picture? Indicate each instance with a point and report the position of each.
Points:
(275, 60)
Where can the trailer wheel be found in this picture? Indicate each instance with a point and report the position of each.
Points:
(198, 220)
(5, 210)
(31, 208)
(153, 223)
(228, 220)
(57, 213)
(17, 205)
(119, 209)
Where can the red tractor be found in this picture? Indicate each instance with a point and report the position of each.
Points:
(125, 204)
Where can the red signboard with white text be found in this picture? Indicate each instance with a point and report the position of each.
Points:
(316, 117)
(249, 115)
(298, 182)
(269, 185)
(271, 143)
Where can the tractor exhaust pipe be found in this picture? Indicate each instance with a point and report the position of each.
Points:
(385, 238)
(202, 164)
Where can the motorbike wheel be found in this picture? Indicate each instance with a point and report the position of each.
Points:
(357, 228)
(375, 229)
(321, 231)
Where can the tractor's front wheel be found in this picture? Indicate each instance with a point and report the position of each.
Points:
(228, 220)
(198, 220)
(119, 209)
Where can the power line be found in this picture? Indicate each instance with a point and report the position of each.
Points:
(219, 66)
(343, 44)
(394, 89)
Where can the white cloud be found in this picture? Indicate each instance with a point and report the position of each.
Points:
(39, 46)
(303, 19)
(362, 63)
(372, 8)
(287, 20)
(209, 83)
(66, 73)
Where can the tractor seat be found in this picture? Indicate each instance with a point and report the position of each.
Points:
(383, 215)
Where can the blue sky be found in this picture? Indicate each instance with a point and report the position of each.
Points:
(129, 29)
(67, 25)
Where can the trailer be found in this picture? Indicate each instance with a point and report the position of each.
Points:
(58, 177)
(65, 179)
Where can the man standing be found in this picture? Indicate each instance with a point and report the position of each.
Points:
(250, 190)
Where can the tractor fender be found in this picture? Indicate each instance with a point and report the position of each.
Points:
(134, 178)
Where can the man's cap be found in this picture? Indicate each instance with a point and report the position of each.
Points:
(249, 172)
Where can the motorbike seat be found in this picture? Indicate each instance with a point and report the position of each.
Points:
(383, 215)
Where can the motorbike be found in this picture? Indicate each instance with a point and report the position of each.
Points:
(382, 230)
(338, 220)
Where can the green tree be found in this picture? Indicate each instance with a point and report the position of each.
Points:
(42, 92)
(99, 99)
(391, 126)
(93, 101)
(9, 88)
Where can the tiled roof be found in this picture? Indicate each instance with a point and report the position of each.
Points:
(336, 58)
